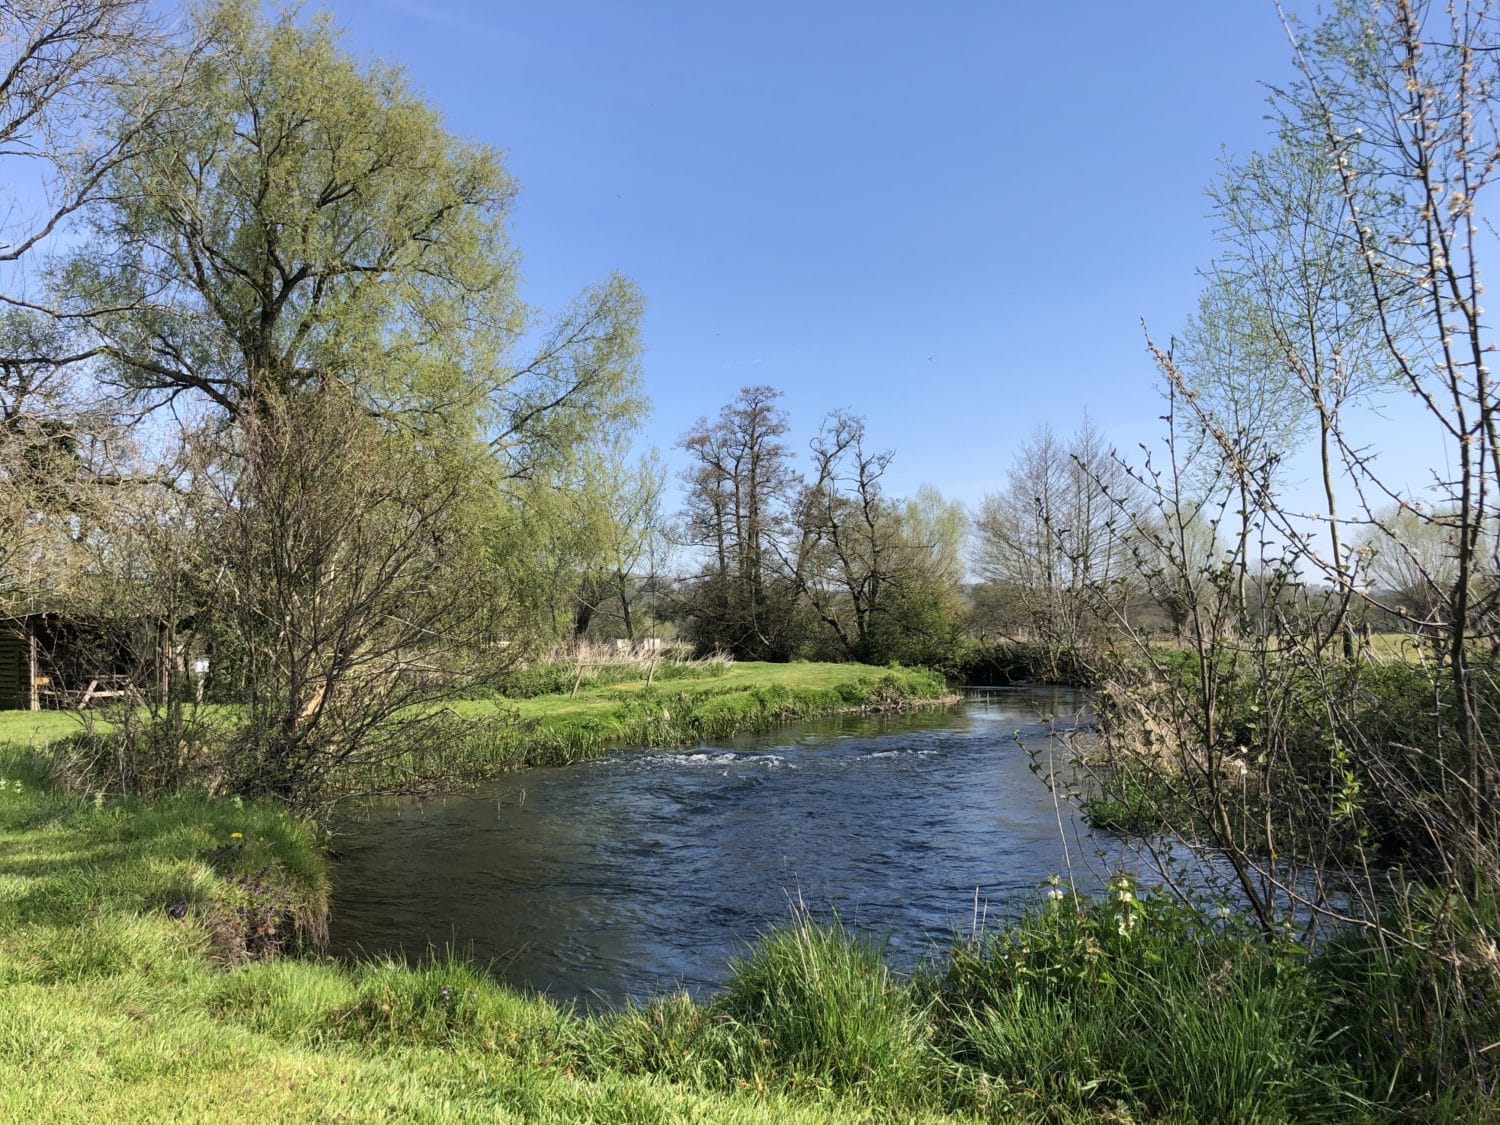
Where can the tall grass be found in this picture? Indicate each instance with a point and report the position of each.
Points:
(1136, 1004)
(818, 1003)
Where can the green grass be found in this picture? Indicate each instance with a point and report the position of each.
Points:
(499, 734)
(22, 728)
(835, 686)
(493, 734)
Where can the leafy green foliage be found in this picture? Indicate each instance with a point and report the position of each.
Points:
(1135, 1005)
(292, 242)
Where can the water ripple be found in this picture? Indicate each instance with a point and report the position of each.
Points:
(645, 871)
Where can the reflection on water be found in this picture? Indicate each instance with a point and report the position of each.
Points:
(648, 870)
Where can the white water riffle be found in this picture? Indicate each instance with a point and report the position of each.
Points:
(647, 871)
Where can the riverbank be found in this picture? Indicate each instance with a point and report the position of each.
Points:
(552, 719)
(124, 1002)
(502, 733)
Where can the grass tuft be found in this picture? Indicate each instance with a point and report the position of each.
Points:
(817, 1002)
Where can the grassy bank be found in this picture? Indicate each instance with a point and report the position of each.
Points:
(502, 732)
(137, 988)
(743, 698)
(545, 716)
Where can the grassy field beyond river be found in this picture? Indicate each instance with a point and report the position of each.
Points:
(730, 699)
(549, 715)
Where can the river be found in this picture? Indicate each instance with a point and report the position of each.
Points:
(648, 870)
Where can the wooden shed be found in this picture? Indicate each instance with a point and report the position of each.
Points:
(48, 660)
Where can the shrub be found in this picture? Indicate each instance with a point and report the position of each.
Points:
(1134, 1004)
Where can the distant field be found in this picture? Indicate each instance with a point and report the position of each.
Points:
(1400, 646)
(677, 708)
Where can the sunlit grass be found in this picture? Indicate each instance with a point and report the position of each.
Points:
(558, 728)
(493, 733)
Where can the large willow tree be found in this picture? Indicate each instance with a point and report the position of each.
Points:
(306, 265)
(301, 218)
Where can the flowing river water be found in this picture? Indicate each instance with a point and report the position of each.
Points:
(646, 871)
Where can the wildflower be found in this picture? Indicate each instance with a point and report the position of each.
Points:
(178, 909)
(236, 836)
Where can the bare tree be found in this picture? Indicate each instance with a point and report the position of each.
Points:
(1052, 539)
(1400, 97)
(60, 65)
(349, 583)
(1411, 560)
(849, 556)
(1302, 334)
(736, 512)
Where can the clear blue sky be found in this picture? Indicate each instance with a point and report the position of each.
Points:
(950, 217)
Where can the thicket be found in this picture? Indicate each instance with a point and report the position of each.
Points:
(1336, 788)
(825, 565)
(1014, 662)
